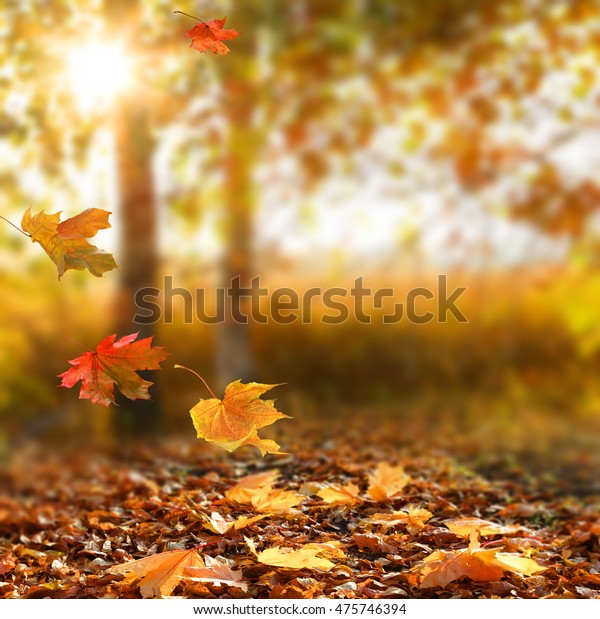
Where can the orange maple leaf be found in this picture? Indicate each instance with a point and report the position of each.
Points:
(160, 573)
(414, 519)
(233, 421)
(114, 363)
(338, 494)
(464, 527)
(65, 241)
(441, 568)
(248, 486)
(217, 572)
(387, 481)
(209, 36)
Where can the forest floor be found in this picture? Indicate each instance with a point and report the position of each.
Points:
(66, 519)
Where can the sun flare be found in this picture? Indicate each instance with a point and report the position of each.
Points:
(97, 72)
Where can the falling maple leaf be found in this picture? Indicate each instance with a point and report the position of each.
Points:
(309, 556)
(247, 486)
(216, 571)
(114, 363)
(65, 241)
(209, 36)
(233, 421)
(387, 481)
(338, 494)
(414, 519)
(464, 527)
(441, 567)
(161, 573)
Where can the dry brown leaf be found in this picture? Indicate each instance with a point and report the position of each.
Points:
(246, 487)
(413, 518)
(387, 481)
(337, 494)
(161, 573)
(464, 527)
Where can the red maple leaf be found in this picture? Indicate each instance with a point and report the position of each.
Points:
(114, 363)
(208, 36)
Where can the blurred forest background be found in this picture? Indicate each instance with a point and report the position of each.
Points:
(393, 140)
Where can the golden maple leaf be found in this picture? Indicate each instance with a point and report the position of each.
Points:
(309, 556)
(441, 567)
(217, 524)
(65, 241)
(414, 519)
(338, 494)
(234, 421)
(275, 501)
(248, 486)
(464, 527)
(387, 481)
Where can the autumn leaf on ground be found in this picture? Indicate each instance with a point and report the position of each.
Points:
(217, 572)
(338, 494)
(275, 501)
(114, 363)
(161, 573)
(217, 524)
(387, 481)
(65, 242)
(464, 527)
(233, 421)
(441, 568)
(309, 556)
(414, 519)
(247, 486)
(209, 36)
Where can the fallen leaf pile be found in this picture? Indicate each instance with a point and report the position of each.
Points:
(344, 521)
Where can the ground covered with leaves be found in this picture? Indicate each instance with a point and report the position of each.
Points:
(345, 516)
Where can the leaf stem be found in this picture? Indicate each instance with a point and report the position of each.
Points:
(188, 15)
(182, 367)
(80, 344)
(16, 227)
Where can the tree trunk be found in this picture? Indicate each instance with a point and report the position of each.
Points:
(137, 217)
(233, 353)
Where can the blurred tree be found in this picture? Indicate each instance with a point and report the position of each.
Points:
(308, 92)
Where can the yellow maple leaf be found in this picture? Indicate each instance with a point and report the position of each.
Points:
(338, 494)
(65, 241)
(464, 527)
(309, 556)
(414, 519)
(234, 421)
(161, 573)
(246, 487)
(275, 501)
(217, 524)
(387, 481)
